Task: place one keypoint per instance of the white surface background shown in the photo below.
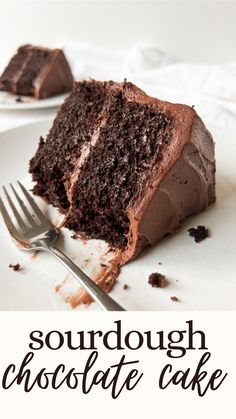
(191, 31)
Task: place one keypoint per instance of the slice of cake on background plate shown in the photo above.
(124, 167)
(37, 72)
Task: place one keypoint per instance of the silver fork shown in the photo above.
(39, 234)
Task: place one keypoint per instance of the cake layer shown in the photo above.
(9, 77)
(58, 157)
(125, 167)
(36, 60)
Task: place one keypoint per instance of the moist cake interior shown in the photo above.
(116, 169)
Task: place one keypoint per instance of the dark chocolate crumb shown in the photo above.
(74, 236)
(156, 280)
(125, 286)
(200, 233)
(14, 267)
(19, 99)
(174, 298)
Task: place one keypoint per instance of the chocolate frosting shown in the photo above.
(55, 77)
(187, 188)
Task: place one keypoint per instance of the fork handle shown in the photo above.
(104, 300)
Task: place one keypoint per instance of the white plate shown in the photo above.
(9, 102)
(202, 276)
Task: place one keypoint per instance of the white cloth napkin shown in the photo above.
(210, 88)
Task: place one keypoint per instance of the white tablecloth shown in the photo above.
(210, 88)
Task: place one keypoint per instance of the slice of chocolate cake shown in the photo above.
(124, 167)
(37, 72)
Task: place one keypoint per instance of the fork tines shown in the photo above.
(24, 217)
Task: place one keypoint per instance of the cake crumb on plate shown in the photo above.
(156, 280)
(200, 233)
(74, 236)
(174, 298)
(15, 267)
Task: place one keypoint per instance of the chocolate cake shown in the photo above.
(37, 72)
(124, 167)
